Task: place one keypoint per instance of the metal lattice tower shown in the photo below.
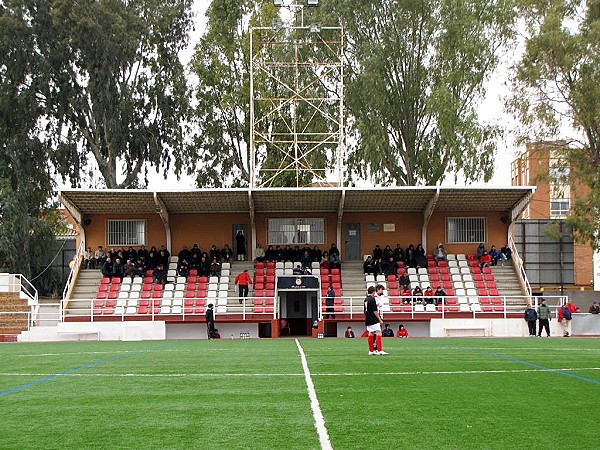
(296, 105)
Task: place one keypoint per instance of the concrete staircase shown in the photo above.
(12, 322)
(85, 289)
(508, 285)
(353, 279)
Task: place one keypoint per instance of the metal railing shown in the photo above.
(76, 266)
(518, 263)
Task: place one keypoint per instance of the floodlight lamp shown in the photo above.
(315, 27)
(313, 3)
(278, 3)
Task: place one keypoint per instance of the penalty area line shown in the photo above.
(314, 403)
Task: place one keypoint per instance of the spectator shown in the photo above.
(594, 309)
(151, 261)
(404, 280)
(163, 258)
(350, 334)
(288, 253)
(406, 294)
(428, 295)
(210, 321)
(377, 252)
(166, 252)
(138, 267)
(118, 269)
(417, 295)
(184, 254)
(316, 253)
(297, 253)
(226, 253)
(544, 318)
(420, 258)
(183, 269)
(216, 334)
(494, 255)
(160, 275)
(389, 266)
(531, 317)
(260, 253)
(195, 261)
(107, 267)
(440, 254)
(243, 281)
(325, 260)
(485, 260)
(240, 246)
(215, 268)
(329, 302)
(505, 254)
(298, 270)
(204, 269)
(387, 253)
(399, 253)
(306, 259)
(334, 261)
(402, 332)
(100, 256)
(410, 256)
(196, 251)
(129, 269)
(480, 251)
(88, 259)
(214, 252)
(387, 331)
(564, 318)
(270, 253)
(440, 296)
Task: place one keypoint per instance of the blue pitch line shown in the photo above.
(73, 370)
(537, 366)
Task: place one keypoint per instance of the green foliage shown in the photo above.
(557, 89)
(417, 73)
(27, 223)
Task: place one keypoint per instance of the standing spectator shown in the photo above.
(564, 318)
(210, 321)
(594, 309)
(387, 331)
(243, 281)
(399, 253)
(329, 302)
(531, 318)
(402, 332)
(373, 321)
(544, 318)
(349, 333)
(240, 242)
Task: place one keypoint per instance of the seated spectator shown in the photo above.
(316, 253)
(349, 333)
(440, 254)
(131, 253)
(138, 267)
(204, 269)
(399, 253)
(100, 256)
(166, 252)
(440, 295)
(195, 261)
(196, 251)
(428, 295)
(406, 294)
(594, 309)
(387, 331)
(505, 254)
(410, 257)
(404, 280)
(485, 260)
(143, 253)
(160, 274)
(369, 266)
(215, 268)
(270, 253)
(226, 253)
(334, 261)
(151, 262)
(214, 252)
(107, 267)
(183, 269)
(417, 295)
(298, 270)
(420, 258)
(402, 332)
(306, 260)
(377, 253)
(118, 270)
(480, 251)
(288, 253)
(163, 258)
(260, 253)
(325, 260)
(89, 262)
(216, 334)
(494, 255)
(387, 253)
(389, 266)
(297, 253)
(334, 251)
(128, 269)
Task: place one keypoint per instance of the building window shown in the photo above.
(466, 230)
(559, 207)
(295, 231)
(125, 232)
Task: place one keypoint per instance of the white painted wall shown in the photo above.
(109, 331)
(198, 330)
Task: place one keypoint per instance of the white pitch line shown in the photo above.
(314, 403)
(272, 375)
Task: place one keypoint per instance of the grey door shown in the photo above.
(352, 241)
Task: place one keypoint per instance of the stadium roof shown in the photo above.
(280, 200)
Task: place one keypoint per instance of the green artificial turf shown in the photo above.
(232, 394)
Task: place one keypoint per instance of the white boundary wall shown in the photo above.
(91, 331)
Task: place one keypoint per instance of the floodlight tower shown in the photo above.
(296, 100)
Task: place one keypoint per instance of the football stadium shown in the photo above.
(321, 283)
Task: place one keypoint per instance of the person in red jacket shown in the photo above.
(243, 280)
(402, 332)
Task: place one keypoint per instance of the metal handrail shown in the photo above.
(518, 262)
(77, 260)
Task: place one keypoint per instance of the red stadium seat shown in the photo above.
(114, 287)
(110, 303)
(103, 288)
(270, 302)
(101, 295)
(193, 273)
(113, 295)
(491, 285)
(335, 271)
(98, 303)
(146, 287)
(143, 310)
(391, 278)
(115, 280)
(158, 287)
(105, 280)
(270, 265)
(190, 294)
(488, 277)
(486, 270)
(475, 270)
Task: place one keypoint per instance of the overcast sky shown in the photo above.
(491, 110)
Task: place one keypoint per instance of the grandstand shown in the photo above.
(355, 219)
